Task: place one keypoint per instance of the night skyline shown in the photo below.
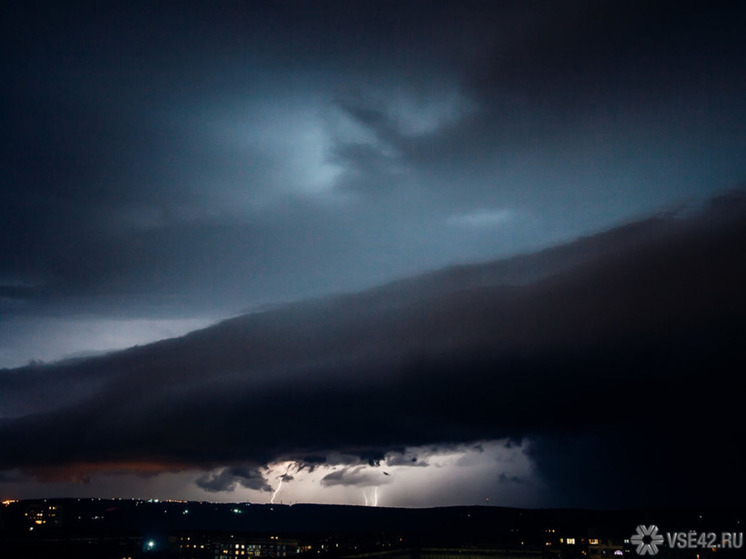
(376, 196)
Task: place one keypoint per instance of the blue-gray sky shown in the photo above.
(167, 165)
(193, 161)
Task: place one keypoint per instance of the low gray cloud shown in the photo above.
(405, 459)
(504, 478)
(358, 476)
(228, 478)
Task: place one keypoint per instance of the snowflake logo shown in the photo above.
(647, 539)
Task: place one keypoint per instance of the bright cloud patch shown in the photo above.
(481, 219)
(25, 339)
(492, 471)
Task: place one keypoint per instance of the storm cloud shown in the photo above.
(200, 161)
(636, 346)
(355, 475)
(368, 233)
(228, 478)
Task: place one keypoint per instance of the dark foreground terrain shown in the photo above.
(109, 529)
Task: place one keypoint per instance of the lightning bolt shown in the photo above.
(282, 478)
(373, 501)
(272, 500)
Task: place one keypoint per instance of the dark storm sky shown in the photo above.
(198, 159)
(168, 164)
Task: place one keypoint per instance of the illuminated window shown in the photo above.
(571, 541)
(593, 541)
